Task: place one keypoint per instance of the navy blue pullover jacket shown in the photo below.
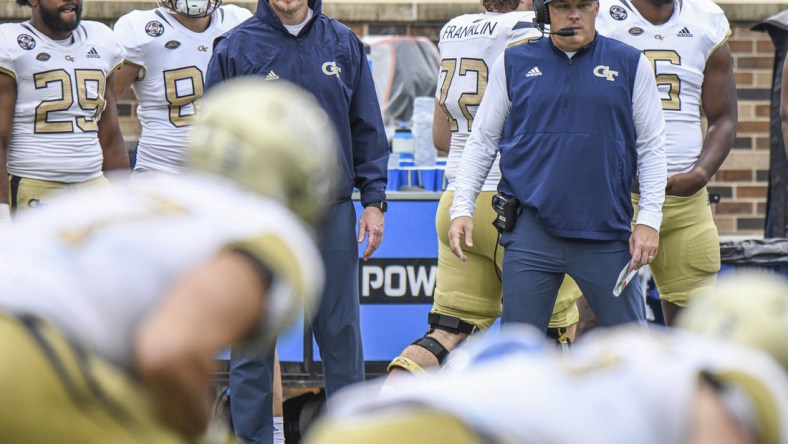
(329, 61)
(568, 143)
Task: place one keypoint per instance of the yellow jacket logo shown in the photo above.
(605, 72)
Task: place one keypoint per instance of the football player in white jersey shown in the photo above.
(58, 122)
(115, 300)
(167, 52)
(625, 385)
(468, 295)
(686, 43)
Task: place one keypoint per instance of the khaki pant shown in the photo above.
(689, 248)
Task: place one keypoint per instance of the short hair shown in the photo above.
(23, 3)
(492, 5)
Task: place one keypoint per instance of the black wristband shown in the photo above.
(382, 205)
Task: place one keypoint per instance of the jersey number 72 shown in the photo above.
(471, 97)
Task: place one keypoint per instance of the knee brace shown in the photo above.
(447, 323)
(450, 324)
(431, 345)
(436, 321)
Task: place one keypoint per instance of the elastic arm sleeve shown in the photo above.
(482, 146)
(650, 145)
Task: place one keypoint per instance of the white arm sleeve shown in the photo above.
(650, 145)
(482, 145)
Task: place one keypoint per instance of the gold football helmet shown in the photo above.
(747, 308)
(271, 137)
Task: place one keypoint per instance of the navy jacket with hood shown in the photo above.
(329, 61)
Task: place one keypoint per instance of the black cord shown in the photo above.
(495, 257)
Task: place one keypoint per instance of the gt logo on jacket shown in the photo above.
(331, 69)
(605, 72)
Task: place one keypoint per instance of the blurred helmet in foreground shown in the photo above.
(748, 308)
(191, 8)
(271, 137)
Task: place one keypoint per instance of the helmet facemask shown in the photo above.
(191, 8)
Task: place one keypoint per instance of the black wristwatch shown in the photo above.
(381, 205)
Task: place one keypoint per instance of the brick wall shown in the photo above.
(742, 182)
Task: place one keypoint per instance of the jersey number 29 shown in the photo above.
(90, 97)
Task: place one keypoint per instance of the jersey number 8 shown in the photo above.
(183, 87)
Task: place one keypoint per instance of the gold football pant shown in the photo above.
(54, 393)
(689, 248)
(27, 193)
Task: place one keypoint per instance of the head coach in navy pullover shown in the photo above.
(577, 119)
(292, 40)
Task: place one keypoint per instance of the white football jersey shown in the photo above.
(173, 61)
(60, 98)
(95, 262)
(677, 50)
(469, 44)
(625, 385)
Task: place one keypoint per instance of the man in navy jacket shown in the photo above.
(292, 40)
(577, 120)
